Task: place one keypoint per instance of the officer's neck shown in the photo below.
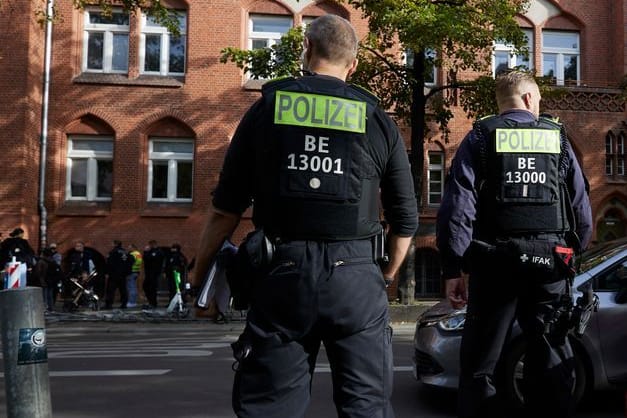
(329, 69)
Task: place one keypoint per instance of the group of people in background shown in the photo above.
(116, 273)
(124, 266)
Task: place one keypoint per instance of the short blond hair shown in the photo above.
(333, 38)
(512, 83)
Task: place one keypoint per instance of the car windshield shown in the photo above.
(600, 253)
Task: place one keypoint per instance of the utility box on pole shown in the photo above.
(25, 354)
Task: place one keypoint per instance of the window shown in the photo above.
(435, 175)
(105, 42)
(89, 168)
(504, 57)
(430, 68)
(560, 56)
(615, 154)
(162, 53)
(612, 279)
(265, 31)
(307, 20)
(170, 170)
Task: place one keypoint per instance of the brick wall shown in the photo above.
(206, 105)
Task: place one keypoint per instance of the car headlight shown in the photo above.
(450, 322)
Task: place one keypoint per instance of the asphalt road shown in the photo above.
(183, 369)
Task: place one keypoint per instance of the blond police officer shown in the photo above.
(515, 208)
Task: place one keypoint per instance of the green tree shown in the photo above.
(279, 60)
(460, 32)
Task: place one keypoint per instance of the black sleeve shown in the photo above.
(397, 185)
(234, 190)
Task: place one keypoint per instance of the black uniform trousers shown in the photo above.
(317, 292)
(498, 294)
(151, 285)
(114, 283)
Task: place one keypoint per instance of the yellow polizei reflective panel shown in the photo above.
(318, 111)
(528, 140)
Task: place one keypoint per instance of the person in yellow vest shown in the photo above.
(131, 279)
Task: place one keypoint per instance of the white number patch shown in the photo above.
(315, 163)
(526, 177)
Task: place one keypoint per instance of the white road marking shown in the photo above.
(99, 373)
(159, 372)
(325, 368)
(125, 353)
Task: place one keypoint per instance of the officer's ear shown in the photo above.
(305, 56)
(526, 98)
(352, 67)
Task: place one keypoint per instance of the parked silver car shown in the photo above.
(600, 357)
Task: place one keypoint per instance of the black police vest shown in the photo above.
(521, 184)
(314, 177)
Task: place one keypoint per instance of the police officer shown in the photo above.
(17, 246)
(154, 259)
(315, 153)
(515, 205)
(118, 266)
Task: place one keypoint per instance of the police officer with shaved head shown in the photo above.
(515, 209)
(319, 159)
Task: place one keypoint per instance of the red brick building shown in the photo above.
(139, 120)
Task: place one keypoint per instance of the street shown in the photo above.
(183, 369)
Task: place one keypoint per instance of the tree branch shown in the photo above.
(386, 61)
(457, 85)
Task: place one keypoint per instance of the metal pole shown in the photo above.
(43, 148)
(26, 380)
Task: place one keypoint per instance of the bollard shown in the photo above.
(26, 379)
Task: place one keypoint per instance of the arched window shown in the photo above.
(89, 164)
(170, 162)
(613, 225)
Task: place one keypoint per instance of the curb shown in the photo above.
(399, 314)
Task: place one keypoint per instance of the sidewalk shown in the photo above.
(399, 314)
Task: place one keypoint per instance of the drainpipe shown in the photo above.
(43, 149)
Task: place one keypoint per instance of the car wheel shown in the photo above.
(511, 375)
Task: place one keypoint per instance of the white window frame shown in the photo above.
(560, 53)
(272, 38)
(514, 59)
(172, 158)
(92, 158)
(620, 154)
(615, 158)
(430, 169)
(108, 30)
(609, 154)
(428, 52)
(164, 62)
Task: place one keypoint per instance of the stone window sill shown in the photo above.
(89, 209)
(167, 210)
(123, 79)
